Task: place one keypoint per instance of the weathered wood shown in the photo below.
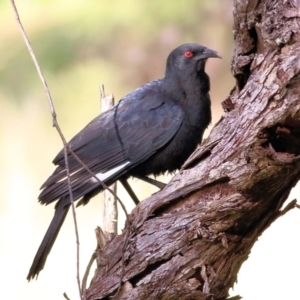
(110, 209)
(189, 240)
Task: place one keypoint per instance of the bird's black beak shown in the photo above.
(211, 53)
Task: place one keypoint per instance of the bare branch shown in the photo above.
(55, 124)
(67, 149)
(110, 209)
(66, 296)
(293, 204)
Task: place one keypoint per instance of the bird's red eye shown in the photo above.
(188, 54)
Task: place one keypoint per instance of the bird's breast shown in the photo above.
(171, 156)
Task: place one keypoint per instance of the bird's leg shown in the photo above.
(129, 190)
(157, 183)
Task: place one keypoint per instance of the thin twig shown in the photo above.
(127, 235)
(104, 186)
(130, 230)
(55, 124)
(66, 296)
(86, 274)
(102, 239)
(31, 52)
(293, 204)
(67, 150)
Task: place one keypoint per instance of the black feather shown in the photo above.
(152, 130)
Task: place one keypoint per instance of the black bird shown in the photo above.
(152, 130)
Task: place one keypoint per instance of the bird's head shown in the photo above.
(189, 58)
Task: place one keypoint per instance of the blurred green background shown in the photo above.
(122, 44)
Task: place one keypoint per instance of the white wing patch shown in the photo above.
(104, 176)
(66, 177)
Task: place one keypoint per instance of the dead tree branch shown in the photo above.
(57, 127)
(190, 240)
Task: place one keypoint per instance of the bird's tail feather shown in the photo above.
(40, 258)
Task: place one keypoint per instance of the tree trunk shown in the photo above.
(189, 240)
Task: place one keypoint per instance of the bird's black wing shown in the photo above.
(116, 141)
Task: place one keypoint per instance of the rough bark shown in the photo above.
(189, 240)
